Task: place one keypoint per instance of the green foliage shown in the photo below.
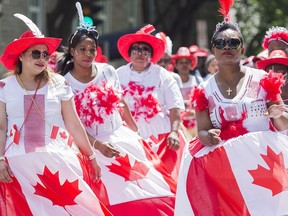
(255, 17)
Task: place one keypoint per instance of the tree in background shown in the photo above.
(256, 16)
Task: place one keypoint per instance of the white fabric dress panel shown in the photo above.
(118, 189)
(44, 168)
(166, 91)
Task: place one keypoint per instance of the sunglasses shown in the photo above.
(233, 43)
(36, 54)
(143, 50)
(164, 60)
(91, 31)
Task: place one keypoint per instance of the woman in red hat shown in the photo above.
(40, 173)
(236, 165)
(185, 62)
(152, 94)
(134, 181)
(276, 41)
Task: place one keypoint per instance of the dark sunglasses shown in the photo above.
(164, 60)
(91, 31)
(36, 54)
(144, 50)
(233, 43)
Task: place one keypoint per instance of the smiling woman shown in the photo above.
(134, 180)
(38, 127)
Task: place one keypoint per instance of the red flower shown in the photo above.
(94, 103)
(272, 83)
(199, 99)
(145, 104)
(232, 129)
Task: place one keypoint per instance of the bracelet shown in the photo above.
(94, 143)
(2, 158)
(91, 157)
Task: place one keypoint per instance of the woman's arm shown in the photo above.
(5, 172)
(278, 115)
(76, 129)
(208, 136)
(127, 117)
(106, 148)
(173, 138)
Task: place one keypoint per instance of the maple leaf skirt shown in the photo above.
(48, 183)
(136, 182)
(247, 175)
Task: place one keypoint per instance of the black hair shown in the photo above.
(141, 42)
(220, 27)
(66, 63)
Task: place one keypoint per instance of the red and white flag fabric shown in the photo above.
(50, 186)
(247, 175)
(170, 158)
(58, 133)
(136, 182)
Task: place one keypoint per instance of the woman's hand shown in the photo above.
(107, 149)
(173, 140)
(94, 170)
(5, 172)
(213, 137)
(276, 110)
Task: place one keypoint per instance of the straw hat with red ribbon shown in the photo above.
(11, 53)
(184, 53)
(143, 35)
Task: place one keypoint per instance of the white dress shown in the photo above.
(123, 189)
(39, 154)
(157, 84)
(246, 173)
(187, 87)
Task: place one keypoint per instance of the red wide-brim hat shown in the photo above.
(143, 35)
(11, 54)
(262, 64)
(276, 57)
(184, 53)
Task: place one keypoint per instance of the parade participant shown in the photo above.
(211, 66)
(184, 63)
(40, 173)
(134, 181)
(201, 55)
(165, 60)
(236, 166)
(276, 38)
(152, 94)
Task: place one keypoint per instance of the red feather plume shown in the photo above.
(225, 8)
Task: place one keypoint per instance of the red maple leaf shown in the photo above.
(61, 195)
(138, 171)
(275, 178)
(63, 135)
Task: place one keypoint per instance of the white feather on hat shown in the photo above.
(167, 41)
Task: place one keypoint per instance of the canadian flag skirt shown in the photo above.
(48, 182)
(247, 175)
